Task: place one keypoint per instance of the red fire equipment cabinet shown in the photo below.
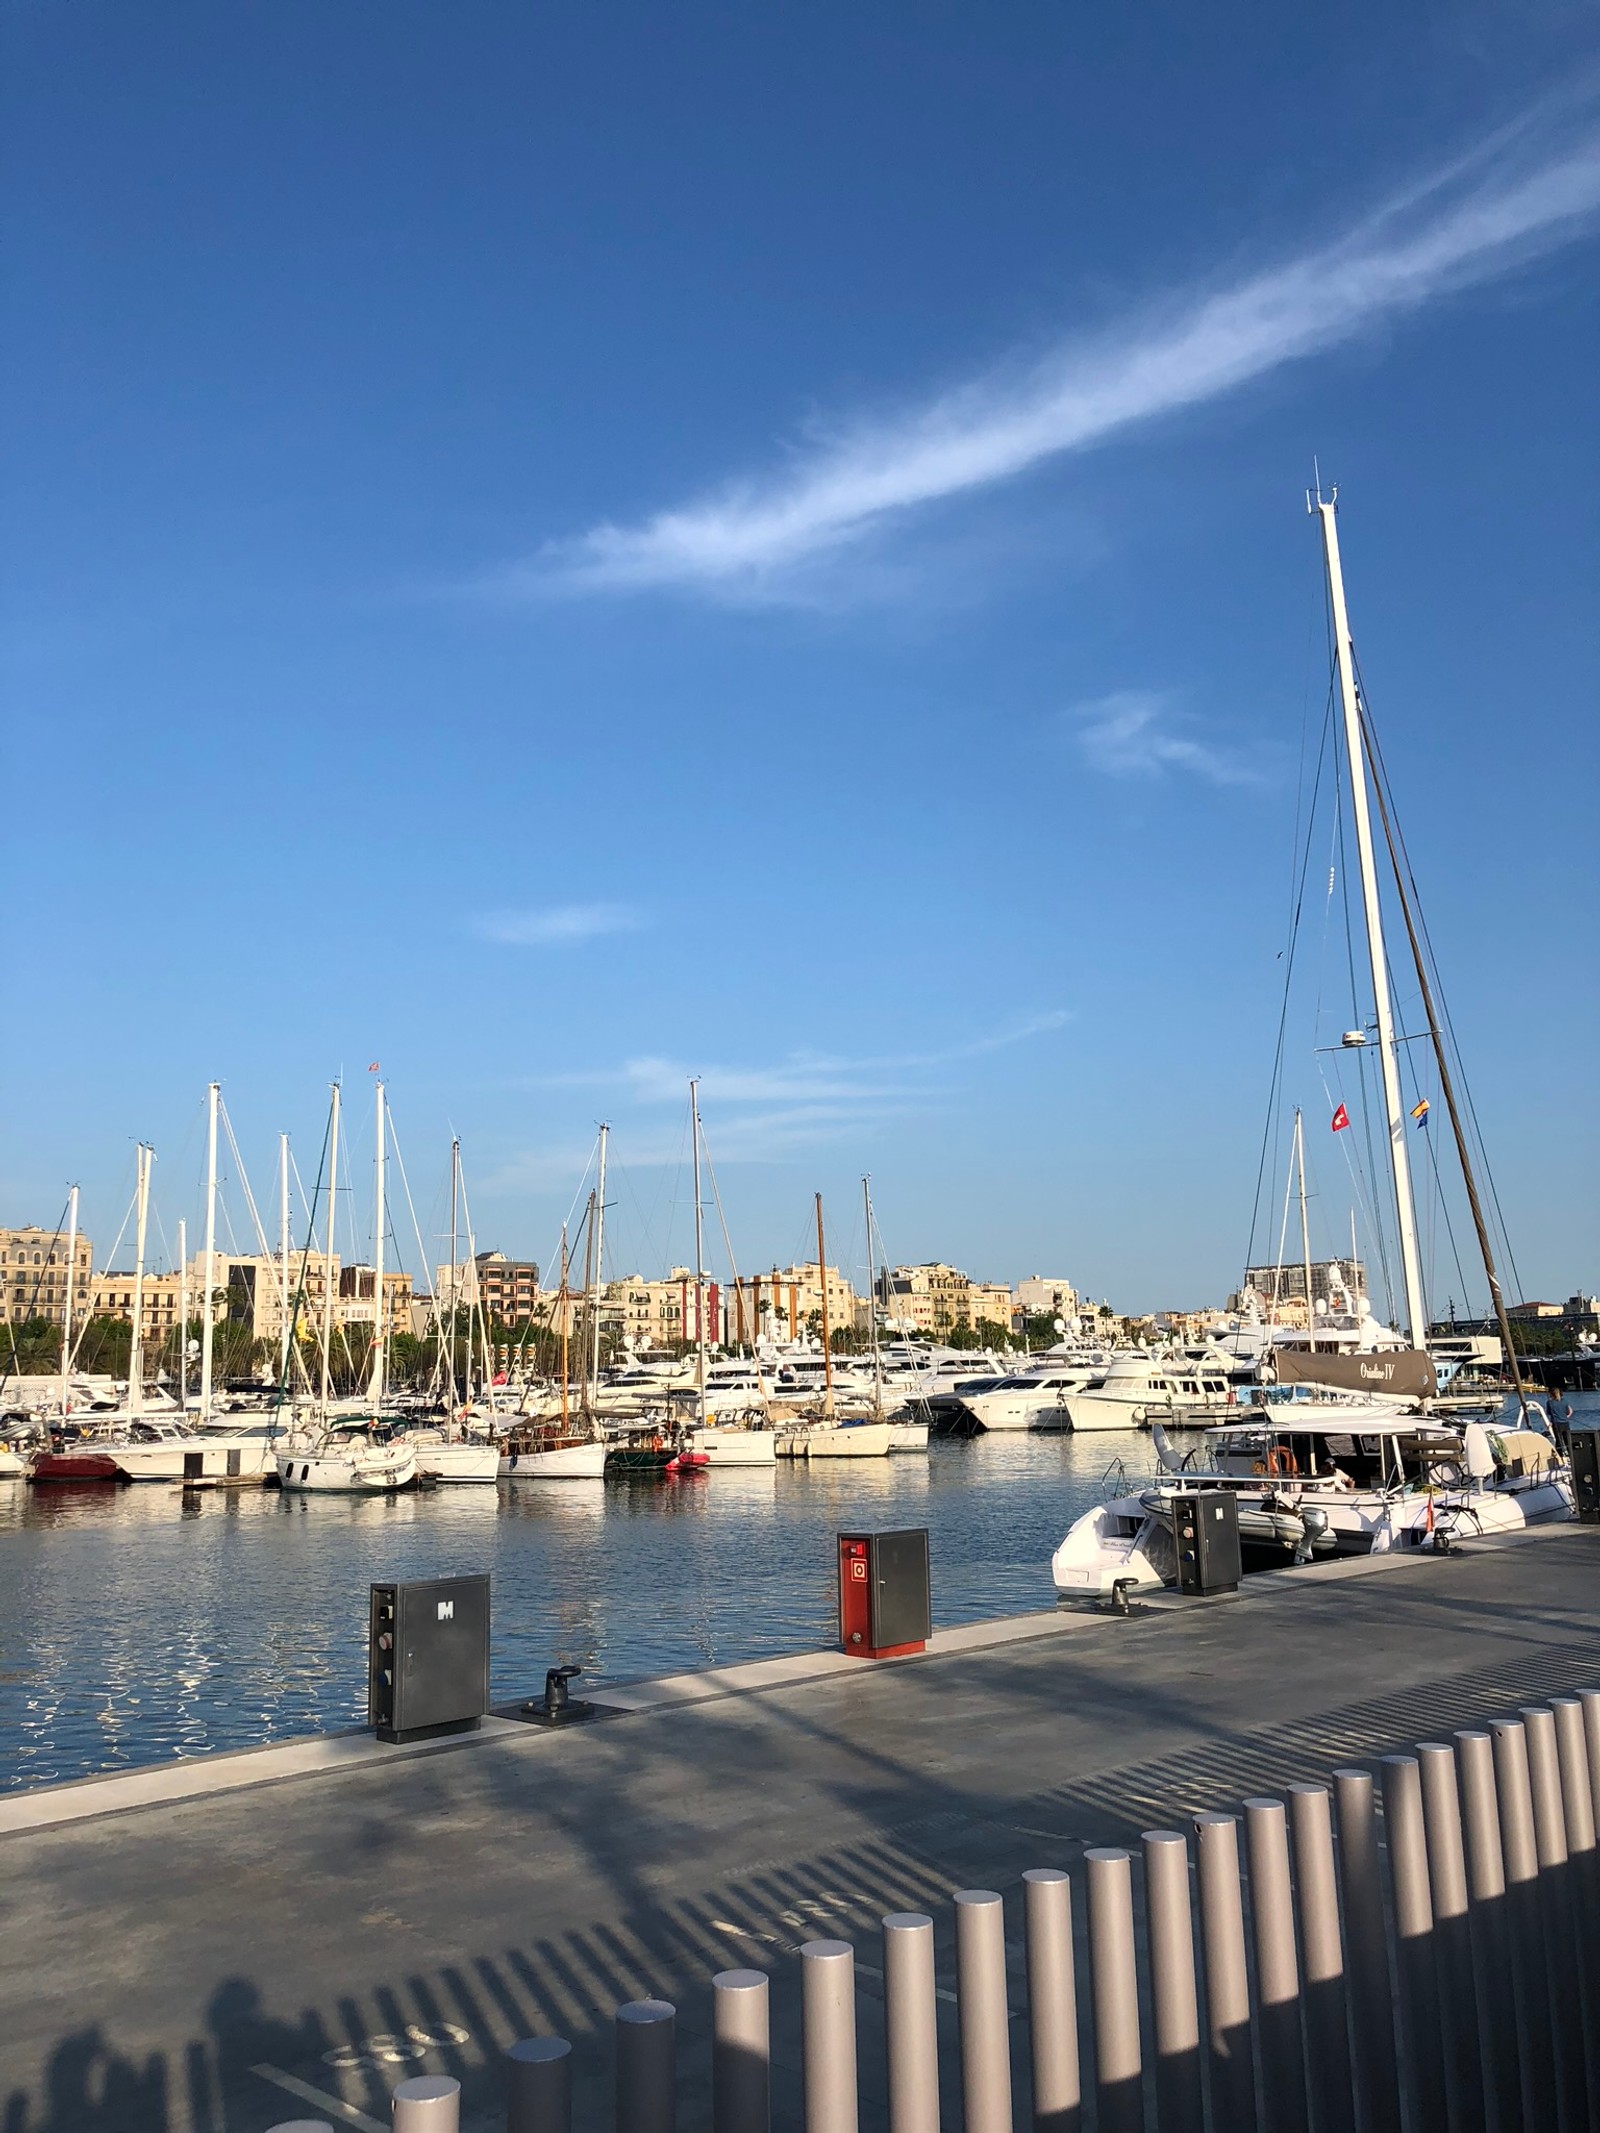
(884, 1604)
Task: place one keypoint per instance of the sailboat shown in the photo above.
(1329, 1457)
(827, 1435)
(341, 1462)
(906, 1433)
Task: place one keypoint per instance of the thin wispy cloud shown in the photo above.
(558, 926)
(1531, 188)
(1140, 733)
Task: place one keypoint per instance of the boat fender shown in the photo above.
(1280, 1460)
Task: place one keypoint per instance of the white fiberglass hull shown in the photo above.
(458, 1462)
(563, 1462)
(13, 1467)
(995, 1411)
(908, 1436)
(1116, 1542)
(371, 1471)
(735, 1447)
(1093, 1411)
(249, 1459)
(860, 1440)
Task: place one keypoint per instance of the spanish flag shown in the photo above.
(1341, 1119)
(1420, 1112)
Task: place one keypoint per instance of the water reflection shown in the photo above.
(137, 1624)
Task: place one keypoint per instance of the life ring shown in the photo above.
(1281, 1461)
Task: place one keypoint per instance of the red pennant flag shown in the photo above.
(1341, 1119)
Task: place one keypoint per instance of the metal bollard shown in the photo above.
(1556, 1912)
(741, 2053)
(1530, 1986)
(1114, 1986)
(1490, 1932)
(539, 2086)
(647, 2067)
(1283, 2071)
(985, 2018)
(1052, 2002)
(1413, 1919)
(1169, 1927)
(1573, 1752)
(1229, 2048)
(1452, 1938)
(1322, 1953)
(909, 2022)
(1590, 1700)
(429, 2103)
(828, 2013)
(1367, 1952)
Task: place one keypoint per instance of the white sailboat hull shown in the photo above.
(735, 1447)
(458, 1462)
(908, 1436)
(860, 1440)
(565, 1462)
(370, 1471)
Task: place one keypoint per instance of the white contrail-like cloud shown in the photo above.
(557, 926)
(1482, 216)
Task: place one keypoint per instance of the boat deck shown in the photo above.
(241, 1940)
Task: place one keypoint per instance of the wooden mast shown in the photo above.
(822, 1290)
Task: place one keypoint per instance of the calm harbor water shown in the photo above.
(137, 1625)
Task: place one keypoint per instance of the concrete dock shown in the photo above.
(220, 1945)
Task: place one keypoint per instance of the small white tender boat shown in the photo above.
(907, 1436)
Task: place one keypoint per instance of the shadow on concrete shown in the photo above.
(550, 1886)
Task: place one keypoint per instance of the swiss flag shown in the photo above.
(1341, 1119)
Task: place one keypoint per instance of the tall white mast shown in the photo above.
(327, 1252)
(599, 1257)
(66, 1316)
(699, 1257)
(287, 1333)
(1305, 1226)
(141, 1229)
(455, 1291)
(872, 1307)
(379, 1315)
(1399, 1159)
(207, 1303)
(183, 1315)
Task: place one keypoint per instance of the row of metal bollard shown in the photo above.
(1456, 1992)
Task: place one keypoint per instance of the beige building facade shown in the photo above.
(33, 1275)
(936, 1299)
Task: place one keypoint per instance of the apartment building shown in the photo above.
(936, 1299)
(33, 1274)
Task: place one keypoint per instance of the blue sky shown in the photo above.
(558, 548)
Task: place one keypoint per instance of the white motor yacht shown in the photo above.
(1138, 1390)
(1311, 1482)
(240, 1448)
(1026, 1399)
